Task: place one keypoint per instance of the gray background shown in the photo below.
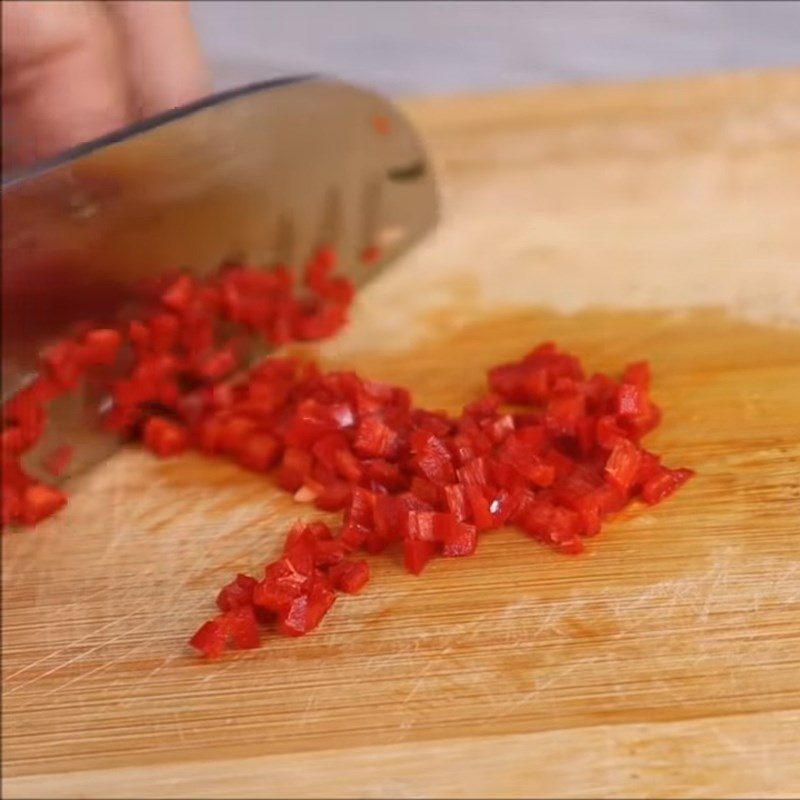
(419, 47)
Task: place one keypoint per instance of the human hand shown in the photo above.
(75, 70)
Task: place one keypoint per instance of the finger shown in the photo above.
(163, 57)
(62, 78)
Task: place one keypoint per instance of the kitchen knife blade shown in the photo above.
(261, 175)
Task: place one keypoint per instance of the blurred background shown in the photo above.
(430, 47)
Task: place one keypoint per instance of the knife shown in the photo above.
(263, 174)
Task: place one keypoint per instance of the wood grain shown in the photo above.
(624, 222)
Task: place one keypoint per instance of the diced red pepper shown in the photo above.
(422, 526)
(347, 465)
(281, 584)
(238, 592)
(425, 490)
(375, 439)
(211, 638)
(164, 330)
(329, 552)
(417, 553)
(473, 473)
(242, 628)
(558, 526)
(361, 508)
(518, 384)
(178, 296)
(500, 427)
(259, 452)
(333, 496)
(306, 611)
(664, 484)
(313, 420)
(623, 464)
(608, 432)
(588, 509)
(479, 507)
(432, 458)
(218, 365)
(557, 467)
(638, 374)
(649, 467)
(300, 551)
(526, 462)
(456, 501)
(639, 425)
(354, 535)
(435, 422)
(295, 468)
(64, 362)
(565, 412)
(101, 345)
(326, 321)
(39, 502)
(165, 438)
(350, 576)
(385, 474)
(631, 401)
(14, 441)
(391, 516)
(561, 464)
(375, 542)
(458, 538)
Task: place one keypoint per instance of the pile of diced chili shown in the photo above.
(549, 449)
(171, 364)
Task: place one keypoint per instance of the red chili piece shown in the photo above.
(164, 438)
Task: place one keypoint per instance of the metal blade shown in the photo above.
(260, 175)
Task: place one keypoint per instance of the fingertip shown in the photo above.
(62, 79)
(165, 63)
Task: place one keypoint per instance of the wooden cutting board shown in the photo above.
(657, 221)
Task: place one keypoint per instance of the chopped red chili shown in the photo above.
(556, 470)
(39, 502)
(558, 462)
(164, 438)
(186, 342)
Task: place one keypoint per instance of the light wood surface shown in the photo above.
(655, 221)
